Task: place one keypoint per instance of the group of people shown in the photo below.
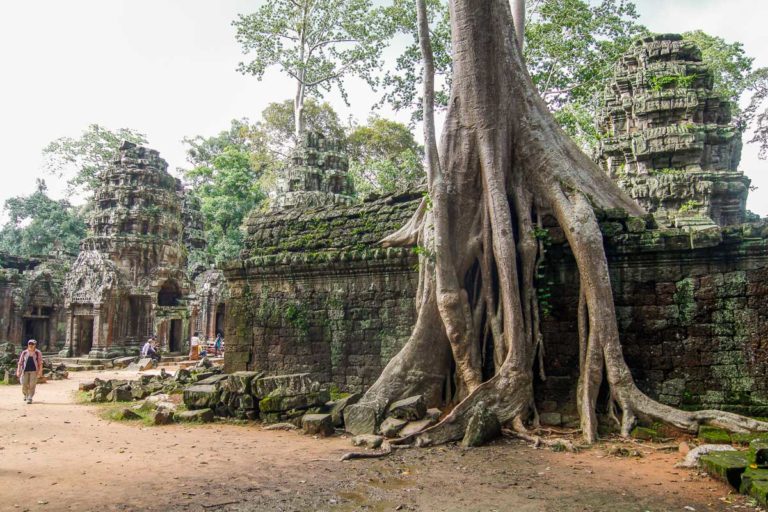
(198, 349)
(150, 349)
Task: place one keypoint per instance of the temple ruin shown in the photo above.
(130, 280)
(667, 138)
(315, 293)
(31, 300)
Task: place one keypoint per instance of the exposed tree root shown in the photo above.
(386, 449)
(503, 162)
(560, 444)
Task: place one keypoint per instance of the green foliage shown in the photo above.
(38, 225)
(228, 189)
(81, 159)
(667, 171)
(278, 124)
(659, 83)
(689, 206)
(296, 315)
(384, 157)
(318, 43)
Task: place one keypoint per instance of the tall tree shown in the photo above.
(502, 162)
(317, 43)
(384, 157)
(81, 159)
(38, 225)
(278, 123)
(227, 176)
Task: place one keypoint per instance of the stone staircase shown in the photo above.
(82, 364)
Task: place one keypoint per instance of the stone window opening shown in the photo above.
(169, 294)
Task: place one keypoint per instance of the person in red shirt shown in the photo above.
(29, 369)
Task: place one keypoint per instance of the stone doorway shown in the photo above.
(220, 320)
(174, 336)
(36, 329)
(84, 336)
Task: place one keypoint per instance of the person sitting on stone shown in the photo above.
(194, 347)
(150, 349)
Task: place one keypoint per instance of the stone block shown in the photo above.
(714, 435)
(360, 419)
(483, 426)
(554, 419)
(120, 394)
(198, 415)
(317, 424)
(86, 386)
(293, 384)
(125, 415)
(754, 483)
(146, 364)
(368, 441)
(122, 362)
(391, 427)
(412, 408)
(758, 451)
(414, 427)
(201, 396)
(336, 408)
(284, 403)
(434, 414)
(213, 380)
(240, 382)
(725, 465)
(161, 416)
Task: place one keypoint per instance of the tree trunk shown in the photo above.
(500, 149)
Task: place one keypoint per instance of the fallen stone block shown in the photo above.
(122, 362)
(198, 415)
(758, 452)
(126, 414)
(483, 426)
(120, 394)
(434, 414)
(10, 378)
(368, 441)
(139, 392)
(161, 416)
(414, 427)
(754, 483)
(317, 424)
(360, 419)
(215, 380)
(293, 384)
(693, 456)
(726, 466)
(201, 396)
(336, 408)
(145, 364)
(714, 435)
(412, 408)
(278, 403)
(86, 386)
(391, 427)
(240, 382)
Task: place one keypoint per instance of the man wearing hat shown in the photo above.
(28, 370)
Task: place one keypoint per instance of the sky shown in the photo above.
(167, 68)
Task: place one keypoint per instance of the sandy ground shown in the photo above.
(59, 455)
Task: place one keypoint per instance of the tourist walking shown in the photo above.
(194, 347)
(29, 369)
(217, 344)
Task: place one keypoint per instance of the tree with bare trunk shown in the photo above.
(503, 163)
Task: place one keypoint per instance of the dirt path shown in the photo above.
(74, 460)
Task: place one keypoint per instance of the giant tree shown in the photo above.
(502, 161)
(318, 43)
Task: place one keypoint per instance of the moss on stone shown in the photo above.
(714, 435)
(727, 466)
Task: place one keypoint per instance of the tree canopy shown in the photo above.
(38, 225)
(81, 159)
(317, 43)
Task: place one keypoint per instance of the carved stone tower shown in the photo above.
(667, 138)
(129, 280)
(318, 175)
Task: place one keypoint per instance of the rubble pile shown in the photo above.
(273, 399)
(117, 390)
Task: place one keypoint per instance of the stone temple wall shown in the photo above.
(692, 305)
(692, 309)
(315, 294)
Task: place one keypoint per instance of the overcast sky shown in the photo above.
(167, 68)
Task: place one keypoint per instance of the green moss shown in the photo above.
(646, 434)
(685, 301)
(727, 466)
(714, 435)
